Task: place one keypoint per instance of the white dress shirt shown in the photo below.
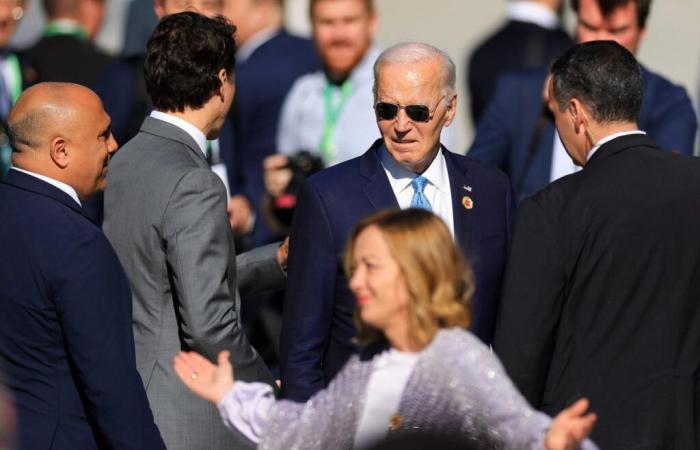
(390, 373)
(563, 165)
(194, 132)
(607, 139)
(528, 11)
(58, 184)
(437, 190)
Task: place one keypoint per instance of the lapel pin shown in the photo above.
(467, 202)
(395, 422)
(467, 188)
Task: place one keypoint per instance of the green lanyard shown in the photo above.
(65, 29)
(14, 87)
(332, 115)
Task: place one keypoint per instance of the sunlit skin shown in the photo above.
(343, 31)
(209, 8)
(74, 142)
(252, 17)
(620, 25)
(95, 146)
(414, 144)
(10, 12)
(380, 288)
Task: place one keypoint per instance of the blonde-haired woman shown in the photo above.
(413, 291)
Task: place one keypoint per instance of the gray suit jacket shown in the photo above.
(165, 215)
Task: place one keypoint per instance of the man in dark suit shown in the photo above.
(601, 292)
(66, 52)
(66, 343)
(532, 37)
(517, 133)
(415, 98)
(165, 214)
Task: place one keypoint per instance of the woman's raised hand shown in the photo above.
(570, 427)
(205, 379)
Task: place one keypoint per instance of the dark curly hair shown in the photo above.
(184, 57)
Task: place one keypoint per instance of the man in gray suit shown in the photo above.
(165, 214)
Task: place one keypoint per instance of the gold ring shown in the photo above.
(193, 375)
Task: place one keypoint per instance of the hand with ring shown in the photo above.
(207, 380)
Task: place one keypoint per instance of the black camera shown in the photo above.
(303, 164)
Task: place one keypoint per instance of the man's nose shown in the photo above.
(402, 123)
(113, 146)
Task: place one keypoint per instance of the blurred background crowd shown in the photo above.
(671, 45)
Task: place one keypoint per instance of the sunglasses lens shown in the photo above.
(418, 113)
(386, 111)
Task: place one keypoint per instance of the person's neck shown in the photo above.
(421, 166)
(597, 132)
(200, 118)
(400, 338)
(337, 78)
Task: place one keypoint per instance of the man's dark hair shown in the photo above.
(608, 6)
(184, 57)
(604, 76)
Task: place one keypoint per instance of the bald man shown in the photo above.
(66, 343)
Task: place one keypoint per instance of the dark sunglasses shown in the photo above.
(417, 113)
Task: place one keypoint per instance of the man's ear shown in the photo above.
(159, 8)
(577, 115)
(59, 152)
(451, 110)
(223, 79)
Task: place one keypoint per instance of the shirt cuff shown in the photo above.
(245, 408)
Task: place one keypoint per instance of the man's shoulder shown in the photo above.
(658, 87)
(341, 175)
(533, 76)
(485, 172)
(309, 83)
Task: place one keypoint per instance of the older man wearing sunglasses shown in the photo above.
(414, 90)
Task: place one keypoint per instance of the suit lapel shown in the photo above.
(460, 188)
(377, 190)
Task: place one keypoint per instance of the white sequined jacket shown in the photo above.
(458, 387)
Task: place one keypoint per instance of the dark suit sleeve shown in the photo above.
(308, 303)
(671, 121)
(491, 144)
(94, 307)
(531, 303)
(199, 249)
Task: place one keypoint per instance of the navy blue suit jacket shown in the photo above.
(262, 83)
(317, 328)
(505, 132)
(66, 342)
(516, 45)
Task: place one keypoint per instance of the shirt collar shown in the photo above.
(610, 138)
(185, 126)
(401, 178)
(527, 11)
(254, 42)
(58, 184)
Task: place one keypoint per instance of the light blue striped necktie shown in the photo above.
(419, 199)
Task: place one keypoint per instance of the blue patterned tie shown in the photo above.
(419, 199)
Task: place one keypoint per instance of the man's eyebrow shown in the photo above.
(106, 132)
(586, 24)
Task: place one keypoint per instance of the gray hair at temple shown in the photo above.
(412, 52)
